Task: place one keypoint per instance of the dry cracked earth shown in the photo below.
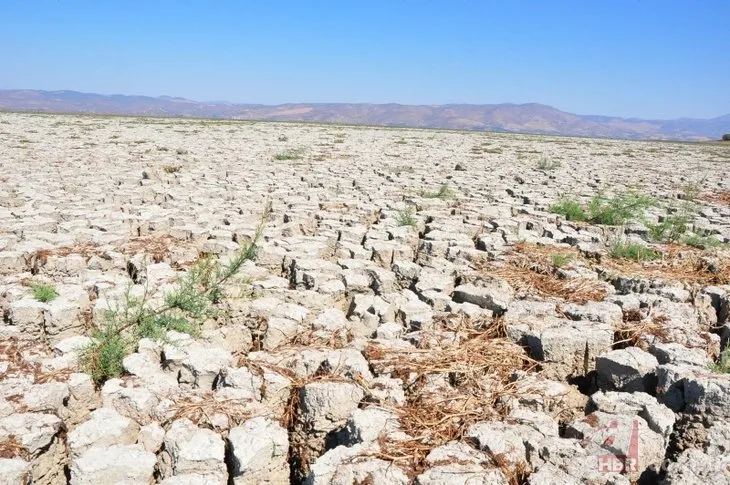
(413, 313)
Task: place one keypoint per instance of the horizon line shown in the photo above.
(432, 105)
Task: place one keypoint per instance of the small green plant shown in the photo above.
(634, 252)
(700, 241)
(619, 209)
(183, 309)
(444, 192)
(44, 293)
(722, 365)
(406, 217)
(692, 190)
(678, 221)
(283, 138)
(561, 260)
(568, 208)
(547, 164)
(171, 168)
(671, 229)
(290, 154)
(104, 358)
(401, 141)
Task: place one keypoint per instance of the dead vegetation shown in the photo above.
(679, 263)
(204, 409)
(472, 375)
(718, 198)
(10, 448)
(530, 270)
(86, 250)
(18, 354)
(638, 328)
(157, 246)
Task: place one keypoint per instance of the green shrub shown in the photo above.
(290, 154)
(44, 293)
(634, 252)
(671, 229)
(700, 241)
(726, 137)
(692, 190)
(679, 219)
(570, 209)
(619, 209)
(547, 164)
(183, 309)
(103, 358)
(406, 217)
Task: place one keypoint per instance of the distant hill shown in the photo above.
(524, 118)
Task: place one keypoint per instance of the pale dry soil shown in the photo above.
(414, 314)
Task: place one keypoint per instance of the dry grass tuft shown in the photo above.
(86, 250)
(13, 350)
(718, 198)
(479, 369)
(636, 326)
(529, 270)
(10, 448)
(680, 263)
(201, 409)
(158, 246)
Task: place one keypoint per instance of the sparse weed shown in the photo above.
(444, 192)
(568, 208)
(700, 241)
(692, 190)
(290, 154)
(547, 164)
(283, 138)
(619, 209)
(44, 293)
(722, 365)
(103, 359)
(183, 309)
(678, 221)
(671, 229)
(406, 217)
(634, 252)
(561, 260)
(171, 168)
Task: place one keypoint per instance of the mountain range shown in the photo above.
(522, 118)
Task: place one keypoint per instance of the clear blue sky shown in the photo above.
(644, 58)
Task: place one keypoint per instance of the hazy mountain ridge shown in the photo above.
(526, 118)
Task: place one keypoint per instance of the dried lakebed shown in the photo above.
(217, 302)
